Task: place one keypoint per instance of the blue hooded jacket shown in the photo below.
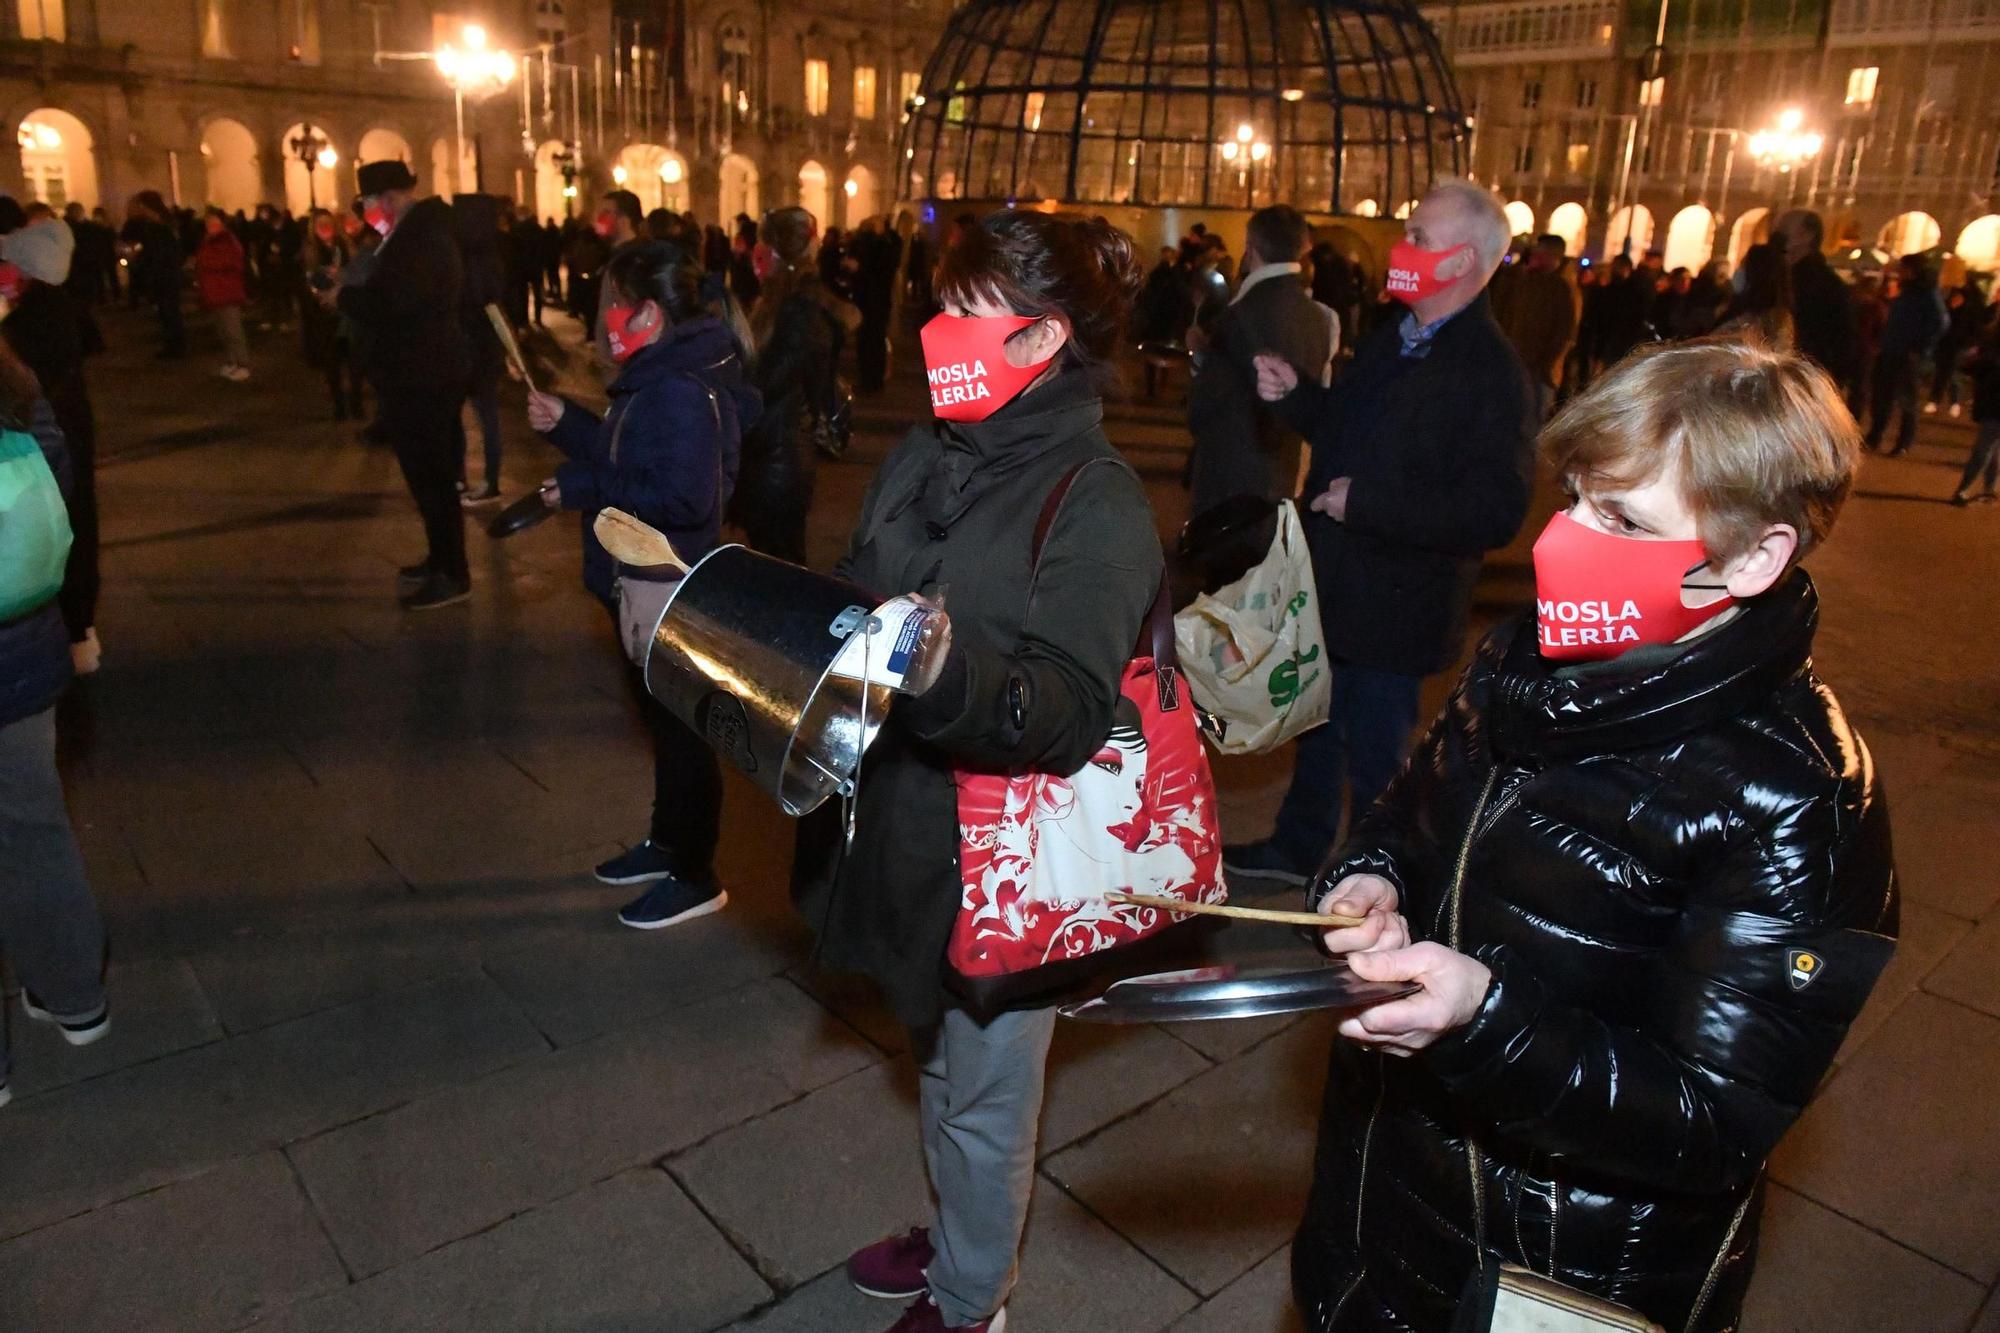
(675, 424)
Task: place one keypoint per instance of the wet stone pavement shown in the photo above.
(383, 1059)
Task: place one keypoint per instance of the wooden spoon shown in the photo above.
(1316, 920)
(632, 542)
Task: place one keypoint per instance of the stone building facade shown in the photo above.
(1904, 96)
(723, 106)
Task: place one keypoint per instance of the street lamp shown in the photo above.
(312, 150)
(1244, 152)
(476, 71)
(1789, 146)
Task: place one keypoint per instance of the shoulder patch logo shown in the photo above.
(1803, 965)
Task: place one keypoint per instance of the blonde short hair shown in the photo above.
(1754, 437)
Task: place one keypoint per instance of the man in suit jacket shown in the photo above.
(408, 307)
(1240, 445)
(1421, 463)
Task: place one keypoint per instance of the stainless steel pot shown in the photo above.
(740, 648)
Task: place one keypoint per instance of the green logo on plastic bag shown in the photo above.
(1285, 685)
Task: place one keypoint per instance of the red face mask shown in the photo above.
(1597, 594)
(12, 280)
(965, 360)
(1413, 272)
(213, 226)
(626, 332)
(379, 217)
(763, 262)
(604, 224)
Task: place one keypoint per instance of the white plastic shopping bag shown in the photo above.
(1253, 652)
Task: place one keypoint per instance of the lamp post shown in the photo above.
(312, 150)
(566, 164)
(1245, 152)
(1786, 147)
(472, 70)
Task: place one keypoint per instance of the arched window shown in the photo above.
(1520, 218)
(1569, 221)
(56, 158)
(1690, 238)
(229, 152)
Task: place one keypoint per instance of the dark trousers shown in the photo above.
(1355, 754)
(871, 350)
(343, 380)
(687, 787)
(1985, 458)
(1894, 391)
(486, 407)
(173, 330)
(429, 443)
(78, 599)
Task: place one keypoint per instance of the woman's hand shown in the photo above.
(552, 494)
(1276, 376)
(1454, 986)
(934, 641)
(544, 410)
(1375, 901)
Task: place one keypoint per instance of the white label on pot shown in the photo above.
(885, 649)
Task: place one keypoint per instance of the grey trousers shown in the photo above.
(981, 1093)
(49, 924)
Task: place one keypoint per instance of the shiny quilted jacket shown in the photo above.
(1677, 865)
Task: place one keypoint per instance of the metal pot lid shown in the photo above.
(1229, 991)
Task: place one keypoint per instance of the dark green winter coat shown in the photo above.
(1033, 675)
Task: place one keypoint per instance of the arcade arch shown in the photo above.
(229, 154)
(813, 193)
(57, 158)
(861, 195)
(1690, 238)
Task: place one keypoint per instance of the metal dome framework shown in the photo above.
(1323, 104)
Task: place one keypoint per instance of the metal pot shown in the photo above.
(740, 649)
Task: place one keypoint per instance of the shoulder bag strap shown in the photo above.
(1156, 633)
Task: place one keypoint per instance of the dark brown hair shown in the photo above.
(790, 233)
(1080, 269)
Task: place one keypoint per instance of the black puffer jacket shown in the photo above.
(1678, 869)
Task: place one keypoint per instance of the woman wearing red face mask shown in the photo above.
(1033, 304)
(219, 281)
(666, 452)
(1641, 870)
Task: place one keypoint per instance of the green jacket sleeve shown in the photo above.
(1045, 703)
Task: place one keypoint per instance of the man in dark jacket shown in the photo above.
(1420, 465)
(1240, 446)
(48, 919)
(879, 255)
(1537, 306)
(1640, 870)
(1619, 319)
(409, 309)
(156, 267)
(1910, 334)
(1822, 310)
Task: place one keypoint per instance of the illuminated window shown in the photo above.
(1031, 111)
(864, 92)
(817, 84)
(1861, 85)
(913, 84)
(43, 21)
(215, 30)
(1577, 159)
(305, 31)
(1653, 91)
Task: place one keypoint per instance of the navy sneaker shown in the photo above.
(641, 864)
(76, 1031)
(672, 901)
(1265, 860)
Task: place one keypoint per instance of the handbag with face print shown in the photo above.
(1040, 852)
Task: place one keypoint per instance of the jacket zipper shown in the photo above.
(1361, 1195)
(1473, 829)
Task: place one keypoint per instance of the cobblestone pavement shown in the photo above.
(384, 1060)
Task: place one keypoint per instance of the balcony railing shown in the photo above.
(1862, 20)
(1484, 33)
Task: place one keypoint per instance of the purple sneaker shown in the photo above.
(893, 1268)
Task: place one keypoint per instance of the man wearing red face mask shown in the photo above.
(1639, 868)
(407, 307)
(1420, 465)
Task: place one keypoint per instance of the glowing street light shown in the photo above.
(619, 175)
(671, 172)
(312, 149)
(328, 159)
(1789, 145)
(473, 69)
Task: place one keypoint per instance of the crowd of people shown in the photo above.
(1636, 876)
